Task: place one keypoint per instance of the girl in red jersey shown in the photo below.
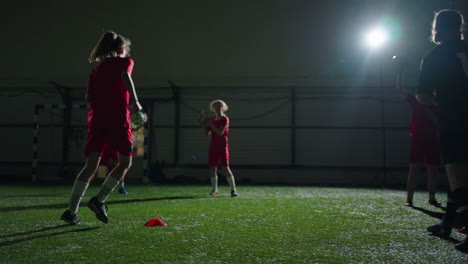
(424, 148)
(110, 95)
(218, 128)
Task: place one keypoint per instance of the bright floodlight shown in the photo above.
(376, 38)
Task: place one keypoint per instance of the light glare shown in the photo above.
(376, 38)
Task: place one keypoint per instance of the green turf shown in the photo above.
(262, 225)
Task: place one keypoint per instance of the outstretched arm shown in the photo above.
(127, 79)
(399, 84)
(424, 99)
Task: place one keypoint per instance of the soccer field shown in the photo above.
(265, 224)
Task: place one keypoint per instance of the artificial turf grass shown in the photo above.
(263, 225)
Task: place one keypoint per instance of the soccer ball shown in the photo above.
(203, 117)
(138, 119)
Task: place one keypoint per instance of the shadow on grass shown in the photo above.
(151, 199)
(429, 212)
(438, 216)
(35, 231)
(63, 206)
(439, 206)
(28, 196)
(449, 239)
(12, 242)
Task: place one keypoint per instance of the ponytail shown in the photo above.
(109, 45)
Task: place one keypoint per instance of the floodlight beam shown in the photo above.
(376, 38)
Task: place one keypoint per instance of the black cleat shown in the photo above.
(434, 202)
(463, 246)
(70, 218)
(100, 209)
(439, 230)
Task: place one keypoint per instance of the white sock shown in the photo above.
(232, 183)
(107, 187)
(214, 183)
(78, 191)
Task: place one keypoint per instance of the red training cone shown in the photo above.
(155, 222)
(463, 230)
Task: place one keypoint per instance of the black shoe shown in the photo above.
(100, 209)
(434, 202)
(439, 230)
(462, 246)
(70, 218)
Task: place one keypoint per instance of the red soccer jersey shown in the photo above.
(219, 143)
(421, 124)
(107, 94)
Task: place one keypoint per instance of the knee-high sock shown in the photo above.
(78, 191)
(232, 183)
(107, 187)
(455, 199)
(214, 183)
(461, 198)
(450, 213)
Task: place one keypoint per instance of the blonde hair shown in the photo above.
(109, 45)
(448, 24)
(224, 106)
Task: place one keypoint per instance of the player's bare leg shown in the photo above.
(98, 203)
(432, 184)
(457, 175)
(115, 176)
(413, 176)
(230, 179)
(91, 165)
(214, 181)
(79, 188)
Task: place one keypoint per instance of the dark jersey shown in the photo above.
(444, 73)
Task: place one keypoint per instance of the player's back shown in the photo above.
(448, 75)
(106, 88)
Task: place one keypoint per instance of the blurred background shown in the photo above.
(311, 100)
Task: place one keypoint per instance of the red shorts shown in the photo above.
(110, 156)
(216, 158)
(119, 138)
(425, 150)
